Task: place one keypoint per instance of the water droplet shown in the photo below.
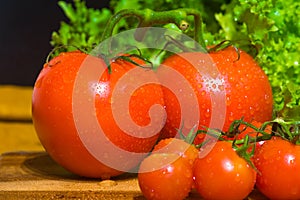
(239, 106)
(251, 110)
(249, 76)
(221, 87)
(107, 183)
(208, 160)
(39, 82)
(207, 115)
(237, 177)
(67, 78)
(188, 174)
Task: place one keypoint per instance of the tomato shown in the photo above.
(177, 146)
(165, 176)
(244, 84)
(57, 124)
(278, 163)
(223, 174)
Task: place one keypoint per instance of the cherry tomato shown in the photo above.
(165, 176)
(223, 174)
(53, 113)
(178, 146)
(278, 164)
(247, 90)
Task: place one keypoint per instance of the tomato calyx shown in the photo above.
(259, 133)
(190, 137)
(244, 137)
(53, 52)
(129, 57)
(287, 130)
(247, 45)
(243, 150)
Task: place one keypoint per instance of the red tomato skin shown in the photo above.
(54, 122)
(177, 146)
(248, 91)
(222, 174)
(167, 176)
(278, 163)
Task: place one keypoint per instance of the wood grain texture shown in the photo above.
(34, 175)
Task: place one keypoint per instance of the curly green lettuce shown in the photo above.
(84, 28)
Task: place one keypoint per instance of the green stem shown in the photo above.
(238, 122)
(148, 18)
(198, 32)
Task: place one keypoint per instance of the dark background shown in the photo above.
(26, 28)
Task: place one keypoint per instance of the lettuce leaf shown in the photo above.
(84, 28)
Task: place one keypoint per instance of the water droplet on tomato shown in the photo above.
(237, 178)
(207, 114)
(188, 174)
(208, 160)
(246, 87)
(67, 78)
(38, 83)
(266, 157)
(231, 118)
(239, 106)
(228, 100)
(251, 110)
(221, 87)
(211, 174)
(249, 76)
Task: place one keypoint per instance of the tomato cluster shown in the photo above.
(64, 116)
(220, 171)
(174, 167)
(222, 174)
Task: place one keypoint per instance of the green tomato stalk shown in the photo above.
(149, 18)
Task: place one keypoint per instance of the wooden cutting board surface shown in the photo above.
(34, 175)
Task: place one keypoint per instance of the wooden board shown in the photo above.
(34, 175)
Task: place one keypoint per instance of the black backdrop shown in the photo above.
(25, 33)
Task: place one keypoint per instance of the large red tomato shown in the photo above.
(53, 114)
(234, 74)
